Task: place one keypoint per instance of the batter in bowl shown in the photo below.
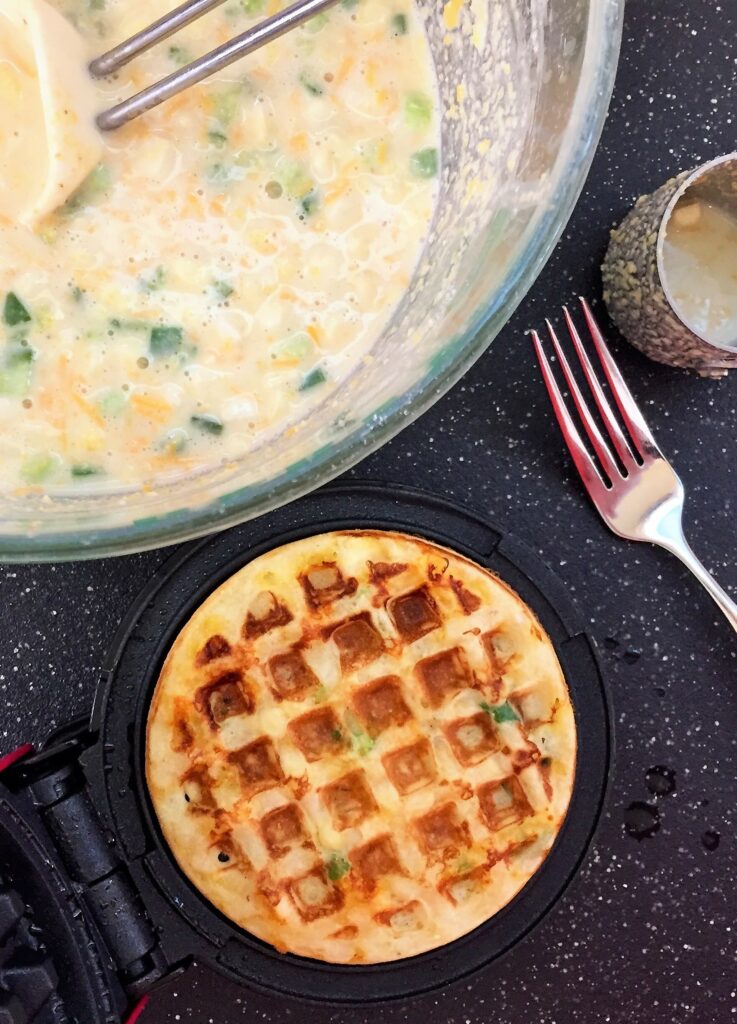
(233, 256)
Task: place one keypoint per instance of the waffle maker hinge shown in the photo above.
(57, 784)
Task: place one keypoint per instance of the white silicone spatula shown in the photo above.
(48, 139)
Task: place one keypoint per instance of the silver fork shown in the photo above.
(635, 489)
(198, 70)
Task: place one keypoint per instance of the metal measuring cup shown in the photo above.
(635, 279)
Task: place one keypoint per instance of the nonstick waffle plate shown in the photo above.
(188, 926)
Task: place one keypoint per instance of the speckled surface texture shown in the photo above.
(648, 931)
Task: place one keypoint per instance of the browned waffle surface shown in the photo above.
(361, 746)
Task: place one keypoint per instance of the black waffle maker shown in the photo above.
(94, 912)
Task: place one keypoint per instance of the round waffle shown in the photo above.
(361, 746)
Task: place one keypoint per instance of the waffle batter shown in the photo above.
(234, 254)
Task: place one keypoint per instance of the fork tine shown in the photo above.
(594, 434)
(124, 52)
(610, 421)
(633, 418)
(221, 57)
(584, 463)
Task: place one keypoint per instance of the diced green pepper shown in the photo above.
(207, 422)
(153, 280)
(501, 712)
(248, 158)
(252, 7)
(120, 324)
(311, 85)
(424, 163)
(399, 25)
(293, 177)
(309, 203)
(16, 369)
(362, 743)
(317, 23)
(298, 346)
(176, 440)
(225, 104)
(337, 867)
(218, 174)
(222, 289)
(112, 403)
(349, 4)
(178, 55)
(19, 352)
(15, 379)
(505, 713)
(374, 153)
(222, 174)
(313, 379)
(165, 341)
(14, 311)
(96, 186)
(83, 470)
(39, 467)
(417, 110)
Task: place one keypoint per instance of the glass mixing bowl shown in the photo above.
(524, 86)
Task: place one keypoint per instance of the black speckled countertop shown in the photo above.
(648, 930)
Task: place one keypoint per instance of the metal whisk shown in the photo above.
(203, 67)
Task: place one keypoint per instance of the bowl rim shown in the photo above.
(591, 103)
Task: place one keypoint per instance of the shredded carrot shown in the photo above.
(337, 191)
(314, 333)
(344, 70)
(386, 99)
(298, 142)
(184, 99)
(152, 407)
(94, 414)
(192, 207)
(169, 457)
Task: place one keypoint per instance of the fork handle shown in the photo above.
(680, 547)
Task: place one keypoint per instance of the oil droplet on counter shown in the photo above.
(629, 655)
(660, 780)
(641, 820)
(710, 839)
